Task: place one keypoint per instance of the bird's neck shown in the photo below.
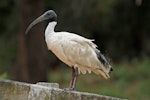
(50, 28)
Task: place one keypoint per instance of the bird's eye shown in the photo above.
(48, 14)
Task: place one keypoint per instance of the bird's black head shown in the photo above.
(50, 14)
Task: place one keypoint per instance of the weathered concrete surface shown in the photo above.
(12, 90)
(54, 85)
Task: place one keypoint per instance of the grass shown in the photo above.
(128, 80)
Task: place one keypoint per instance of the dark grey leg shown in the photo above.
(74, 78)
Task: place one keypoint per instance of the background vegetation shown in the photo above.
(120, 28)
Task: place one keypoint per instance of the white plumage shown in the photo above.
(80, 53)
(74, 50)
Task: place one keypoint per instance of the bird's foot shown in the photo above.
(68, 89)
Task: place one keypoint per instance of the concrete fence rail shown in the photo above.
(13, 90)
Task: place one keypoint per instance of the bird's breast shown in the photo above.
(54, 44)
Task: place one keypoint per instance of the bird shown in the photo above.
(78, 52)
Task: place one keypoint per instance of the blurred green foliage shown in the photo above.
(4, 75)
(8, 36)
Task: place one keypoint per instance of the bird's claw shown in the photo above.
(68, 89)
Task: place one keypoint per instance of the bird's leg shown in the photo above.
(74, 78)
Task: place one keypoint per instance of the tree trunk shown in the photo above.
(32, 59)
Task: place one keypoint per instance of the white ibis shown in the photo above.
(80, 53)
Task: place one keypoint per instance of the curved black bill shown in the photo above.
(39, 19)
(50, 14)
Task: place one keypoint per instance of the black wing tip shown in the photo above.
(105, 61)
(111, 69)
